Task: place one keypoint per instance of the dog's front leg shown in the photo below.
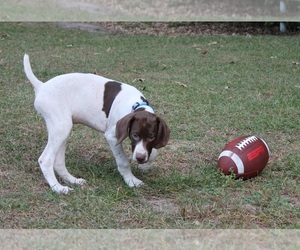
(121, 160)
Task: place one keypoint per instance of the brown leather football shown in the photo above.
(245, 156)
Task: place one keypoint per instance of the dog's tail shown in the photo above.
(29, 74)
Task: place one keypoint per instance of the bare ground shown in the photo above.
(185, 28)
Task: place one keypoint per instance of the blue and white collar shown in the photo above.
(144, 104)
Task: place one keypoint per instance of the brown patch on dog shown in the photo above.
(110, 92)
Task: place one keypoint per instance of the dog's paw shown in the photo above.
(79, 181)
(59, 189)
(134, 182)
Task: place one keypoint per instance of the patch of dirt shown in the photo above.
(202, 28)
(164, 205)
(184, 28)
(98, 28)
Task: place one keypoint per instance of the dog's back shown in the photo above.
(83, 97)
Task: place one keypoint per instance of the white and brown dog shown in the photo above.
(116, 109)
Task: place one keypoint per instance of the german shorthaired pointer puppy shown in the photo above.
(116, 109)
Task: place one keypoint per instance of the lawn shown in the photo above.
(210, 89)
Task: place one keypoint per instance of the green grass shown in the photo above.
(243, 85)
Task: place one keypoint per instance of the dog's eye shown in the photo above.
(135, 136)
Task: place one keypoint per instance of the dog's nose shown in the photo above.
(141, 158)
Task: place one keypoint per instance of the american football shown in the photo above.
(245, 156)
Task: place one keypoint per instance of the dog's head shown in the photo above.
(146, 131)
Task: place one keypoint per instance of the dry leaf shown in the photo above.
(212, 43)
(183, 213)
(181, 84)
(138, 80)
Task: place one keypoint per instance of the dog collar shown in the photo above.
(138, 105)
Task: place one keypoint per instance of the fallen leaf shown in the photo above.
(212, 43)
(183, 213)
(138, 80)
(181, 84)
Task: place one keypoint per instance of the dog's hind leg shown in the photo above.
(58, 132)
(61, 170)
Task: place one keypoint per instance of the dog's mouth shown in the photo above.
(139, 161)
(140, 156)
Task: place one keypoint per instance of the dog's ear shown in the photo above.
(123, 127)
(163, 134)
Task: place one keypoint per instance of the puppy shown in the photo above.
(116, 109)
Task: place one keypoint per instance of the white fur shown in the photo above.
(146, 166)
(140, 150)
(78, 98)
